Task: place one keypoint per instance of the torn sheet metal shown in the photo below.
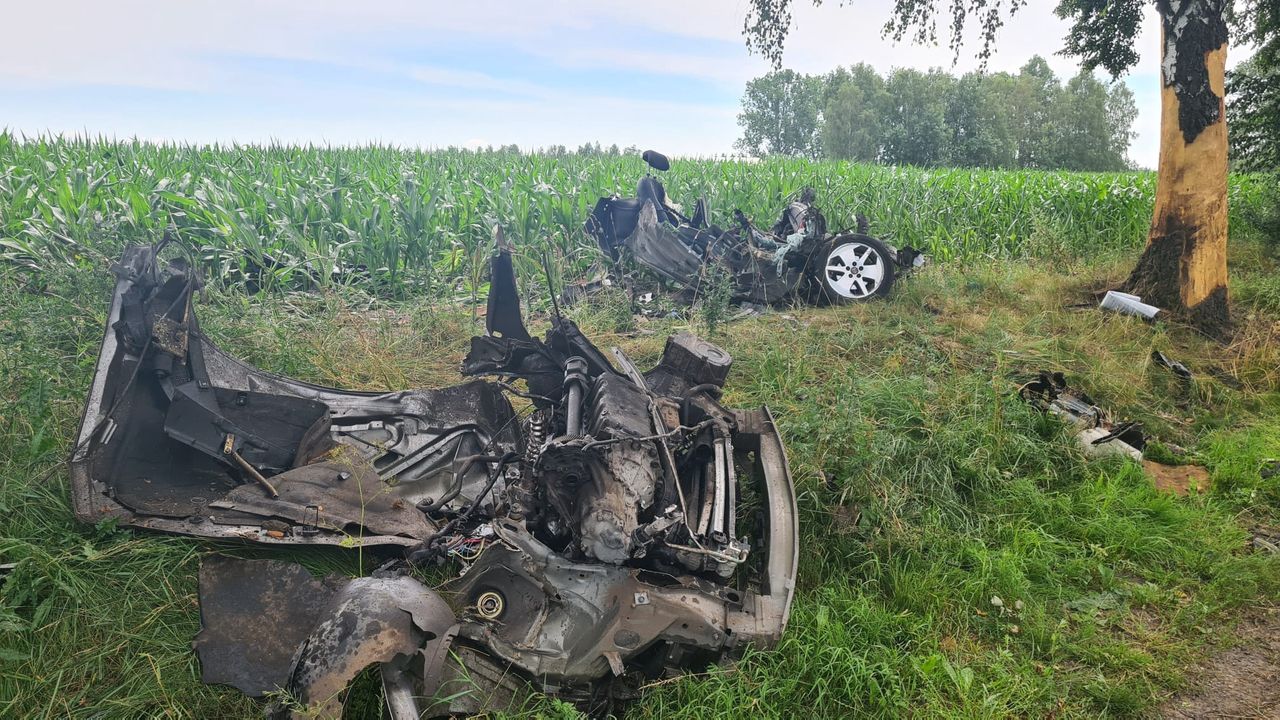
(254, 614)
(794, 258)
(370, 621)
(1098, 433)
(1173, 366)
(270, 627)
(175, 440)
(623, 527)
(1128, 304)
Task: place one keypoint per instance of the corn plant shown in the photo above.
(409, 222)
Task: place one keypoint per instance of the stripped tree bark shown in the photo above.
(1184, 267)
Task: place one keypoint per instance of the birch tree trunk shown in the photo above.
(1184, 267)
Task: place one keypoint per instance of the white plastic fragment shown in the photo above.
(1114, 446)
(1127, 304)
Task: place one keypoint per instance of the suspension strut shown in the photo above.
(575, 386)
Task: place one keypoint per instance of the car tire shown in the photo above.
(849, 269)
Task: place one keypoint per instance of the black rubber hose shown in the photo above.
(714, 391)
(493, 480)
(459, 476)
(425, 551)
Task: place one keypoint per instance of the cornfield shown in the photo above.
(419, 222)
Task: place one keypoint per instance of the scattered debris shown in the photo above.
(1173, 366)
(746, 310)
(847, 519)
(1226, 377)
(795, 257)
(580, 290)
(613, 484)
(1269, 468)
(1263, 542)
(1099, 435)
(1127, 304)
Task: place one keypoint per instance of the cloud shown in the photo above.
(560, 72)
(447, 77)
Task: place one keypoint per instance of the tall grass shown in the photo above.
(925, 488)
(418, 222)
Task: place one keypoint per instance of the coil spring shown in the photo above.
(535, 439)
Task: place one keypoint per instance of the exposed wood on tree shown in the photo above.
(1184, 267)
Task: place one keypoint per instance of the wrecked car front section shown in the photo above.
(619, 527)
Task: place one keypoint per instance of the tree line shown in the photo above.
(933, 118)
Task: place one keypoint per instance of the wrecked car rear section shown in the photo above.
(796, 257)
(610, 527)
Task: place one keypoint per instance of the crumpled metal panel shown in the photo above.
(269, 626)
(657, 246)
(148, 458)
(371, 620)
(253, 616)
(629, 526)
(341, 495)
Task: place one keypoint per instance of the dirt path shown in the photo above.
(1238, 682)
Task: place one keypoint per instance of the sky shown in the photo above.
(663, 74)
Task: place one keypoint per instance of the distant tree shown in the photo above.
(1092, 124)
(915, 120)
(780, 114)
(1253, 107)
(978, 120)
(1121, 111)
(1184, 266)
(981, 120)
(1034, 103)
(1253, 89)
(854, 104)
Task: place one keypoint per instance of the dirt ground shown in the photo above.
(1240, 681)
(1178, 479)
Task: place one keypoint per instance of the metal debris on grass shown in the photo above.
(612, 484)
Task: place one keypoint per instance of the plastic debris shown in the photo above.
(1173, 366)
(1099, 435)
(1127, 304)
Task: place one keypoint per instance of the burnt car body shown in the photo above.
(795, 258)
(618, 527)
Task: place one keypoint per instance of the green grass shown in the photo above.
(925, 487)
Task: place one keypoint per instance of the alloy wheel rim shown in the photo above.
(854, 270)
